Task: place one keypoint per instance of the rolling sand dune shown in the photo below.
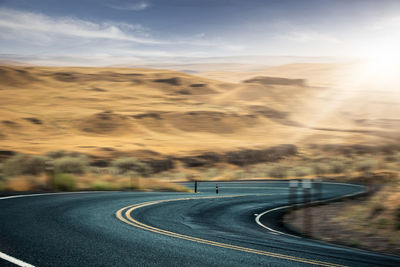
(148, 112)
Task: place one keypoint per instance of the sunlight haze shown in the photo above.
(110, 32)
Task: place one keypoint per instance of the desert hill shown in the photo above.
(153, 113)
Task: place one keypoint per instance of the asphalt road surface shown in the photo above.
(167, 229)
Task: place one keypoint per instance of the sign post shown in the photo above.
(293, 186)
(307, 220)
(318, 188)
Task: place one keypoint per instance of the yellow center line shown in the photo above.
(131, 221)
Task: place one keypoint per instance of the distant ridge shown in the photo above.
(13, 63)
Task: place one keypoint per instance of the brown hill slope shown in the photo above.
(106, 111)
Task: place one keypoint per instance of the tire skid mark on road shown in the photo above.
(125, 216)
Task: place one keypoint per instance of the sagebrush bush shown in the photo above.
(21, 183)
(211, 173)
(64, 182)
(338, 167)
(391, 166)
(238, 174)
(365, 165)
(70, 165)
(397, 218)
(14, 165)
(178, 175)
(56, 154)
(125, 165)
(320, 168)
(22, 164)
(382, 223)
(35, 165)
(104, 186)
(300, 171)
(278, 171)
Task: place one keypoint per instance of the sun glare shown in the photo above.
(382, 65)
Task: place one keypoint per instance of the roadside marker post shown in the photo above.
(307, 220)
(317, 187)
(293, 188)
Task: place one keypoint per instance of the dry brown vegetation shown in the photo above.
(146, 113)
(372, 223)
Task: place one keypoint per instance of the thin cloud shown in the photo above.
(307, 36)
(40, 35)
(391, 23)
(34, 26)
(135, 6)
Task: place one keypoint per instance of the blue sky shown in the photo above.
(124, 31)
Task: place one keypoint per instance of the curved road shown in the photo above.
(166, 229)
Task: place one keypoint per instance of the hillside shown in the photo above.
(108, 112)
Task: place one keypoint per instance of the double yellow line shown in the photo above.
(124, 215)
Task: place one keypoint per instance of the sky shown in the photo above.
(103, 32)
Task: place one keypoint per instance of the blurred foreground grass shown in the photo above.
(371, 222)
(359, 222)
(75, 171)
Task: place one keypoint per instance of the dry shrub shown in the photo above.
(299, 171)
(105, 186)
(119, 182)
(278, 171)
(57, 154)
(338, 166)
(123, 181)
(76, 165)
(178, 175)
(393, 199)
(155, 184)
(238, 174)
(397, 218)
(320, 168)
(23, 164)
(125, 165)
(252, 156)
(211, 173)
(365, 164)
(161, 165)
(64, 182)
(89, 181)
(20, 183)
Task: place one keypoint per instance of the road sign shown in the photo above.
(306, 184)
(293, 183)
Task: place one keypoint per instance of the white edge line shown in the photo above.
(14, 260)
(288, 206)
(57, 193)
(20, 262)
